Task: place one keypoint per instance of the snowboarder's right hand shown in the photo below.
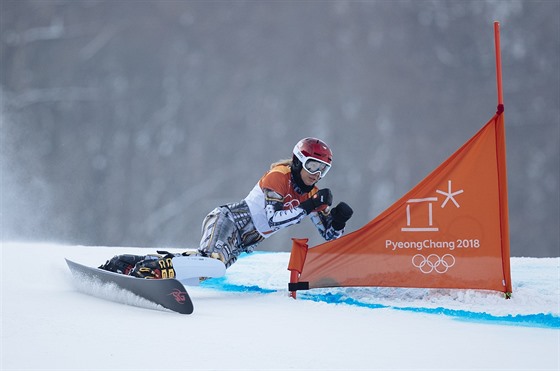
(323, 197)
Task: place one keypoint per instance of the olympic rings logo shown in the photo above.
(433, 263)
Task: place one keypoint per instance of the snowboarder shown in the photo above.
(284, 196)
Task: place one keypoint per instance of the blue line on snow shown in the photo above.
(530, 320)
(541, 320)
(222, 285)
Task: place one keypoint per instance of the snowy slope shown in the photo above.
(246, 321)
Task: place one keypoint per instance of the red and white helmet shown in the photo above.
(314, 155)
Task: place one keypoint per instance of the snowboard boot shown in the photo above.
(122, 264)
(154, 267)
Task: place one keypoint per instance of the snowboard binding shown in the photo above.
(153, 266)
(122, 264)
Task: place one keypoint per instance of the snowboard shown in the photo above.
(169, 293)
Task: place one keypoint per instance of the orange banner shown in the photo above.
(450, 231)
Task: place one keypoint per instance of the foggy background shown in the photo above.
(125, 122)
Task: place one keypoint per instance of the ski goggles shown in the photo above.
(314, 166)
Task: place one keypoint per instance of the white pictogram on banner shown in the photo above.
(427, 225)
(428, 228)
(449, 195)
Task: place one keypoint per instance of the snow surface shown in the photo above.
(246, 321)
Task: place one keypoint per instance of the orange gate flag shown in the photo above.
(450, 231)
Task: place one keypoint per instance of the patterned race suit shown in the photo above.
(273, 204)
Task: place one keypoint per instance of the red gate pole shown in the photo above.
(501, 149)
(498, 66)
(297, 259)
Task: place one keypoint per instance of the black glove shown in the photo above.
(322, 197)
(340, 215)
